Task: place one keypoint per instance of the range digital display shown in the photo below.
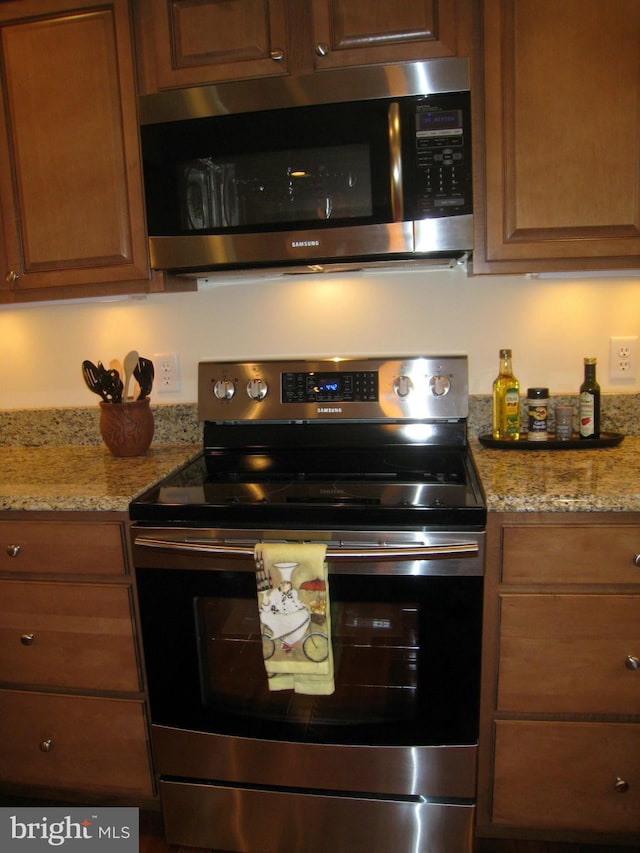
(335, 387)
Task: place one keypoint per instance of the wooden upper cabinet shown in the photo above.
(70, 175)
(353, 32)
(182, 43)
(186, 44)
(558, 183)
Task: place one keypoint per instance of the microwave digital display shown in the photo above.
(432, 121)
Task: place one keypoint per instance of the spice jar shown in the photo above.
(538, 410)
(564, 422)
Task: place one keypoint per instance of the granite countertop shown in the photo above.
(82, 477)
(593, 480)
(54, 459)
(90, 478)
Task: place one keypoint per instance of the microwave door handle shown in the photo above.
(395, 159)
(399, 553)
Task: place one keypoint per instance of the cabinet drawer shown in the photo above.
(67, 635)
(569, 653)
(71, 742)
(564, 776)
(573, 554)
(94, 548)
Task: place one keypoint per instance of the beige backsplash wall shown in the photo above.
(549, 324)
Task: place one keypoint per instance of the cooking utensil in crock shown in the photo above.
(111, 384)
(129, 365)
(93, 379)
(144, 373)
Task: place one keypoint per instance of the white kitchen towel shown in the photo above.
(295, 619)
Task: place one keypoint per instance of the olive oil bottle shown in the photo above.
(506, 401)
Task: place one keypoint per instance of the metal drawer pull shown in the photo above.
(632, 662)
(27, 639)
(409, 552)
(13, 550)
(636, 559)
(621, 785)
(46, 745)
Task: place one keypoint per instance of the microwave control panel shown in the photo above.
(441, 183)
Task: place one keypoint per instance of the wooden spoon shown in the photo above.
(129, 364)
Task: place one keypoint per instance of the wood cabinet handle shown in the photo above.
(46, 745)
(11, 277)
(277, 54)
(322, 49)
(632, 662)
(13, 550)
(621, 785)
(636, 559)
(27, 639)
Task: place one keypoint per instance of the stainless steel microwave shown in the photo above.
(354, 167)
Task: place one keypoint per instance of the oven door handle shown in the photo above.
(383, 552)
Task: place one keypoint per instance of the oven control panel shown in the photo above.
(372, 389)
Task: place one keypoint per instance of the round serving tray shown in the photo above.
(607, 439)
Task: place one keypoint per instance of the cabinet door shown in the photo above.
(560, 177)
(65, 635)
(211, 41)
(70, 176)
(350, 32)
(77, 743)
(62, 547)
(569, 654)
(571, 776)
(580, 553)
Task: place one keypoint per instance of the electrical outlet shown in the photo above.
(623, 359)
(167, 379)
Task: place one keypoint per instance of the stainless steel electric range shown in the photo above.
(370, 458)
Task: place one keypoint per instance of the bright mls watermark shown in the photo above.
(77, 829)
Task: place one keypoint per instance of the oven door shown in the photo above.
(406, 636)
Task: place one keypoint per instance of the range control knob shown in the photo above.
(439, 385)
(257, 389)
(224, 389)
(402, 386)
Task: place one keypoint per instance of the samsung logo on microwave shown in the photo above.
(302, 244)
(329, 410)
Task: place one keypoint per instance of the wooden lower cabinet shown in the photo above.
(560, 706)
(78, 636)
(73, 711)
(78, 743)
(567, 775)
(569, 654)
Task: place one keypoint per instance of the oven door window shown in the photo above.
(406, 656)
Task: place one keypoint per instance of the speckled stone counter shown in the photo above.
(54, 459)
(594, 480)
(82, 477)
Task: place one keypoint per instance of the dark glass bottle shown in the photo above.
(590, 402)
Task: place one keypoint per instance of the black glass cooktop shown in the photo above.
(336, 487)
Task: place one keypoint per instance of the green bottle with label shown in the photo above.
(506, 401)
(590, 401)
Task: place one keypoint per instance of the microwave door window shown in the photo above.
(308, 186)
